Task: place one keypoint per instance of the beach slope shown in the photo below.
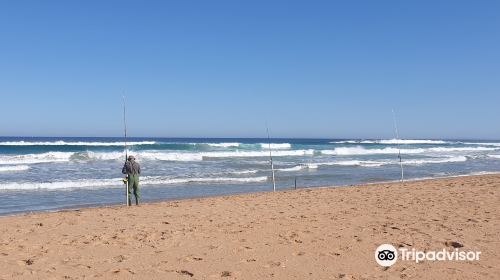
(322, 233)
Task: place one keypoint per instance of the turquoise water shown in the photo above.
(39, 174)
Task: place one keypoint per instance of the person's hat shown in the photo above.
(131, 157)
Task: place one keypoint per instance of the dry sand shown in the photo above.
(325, 233)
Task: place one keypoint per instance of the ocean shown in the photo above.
(46, 174)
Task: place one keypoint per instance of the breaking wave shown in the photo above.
(36, 158)
(200, 156)
(256, 154)
(207, 155)
(276, 146)
(222, 145)
(263, 146)
(291, 169)
(143, 155)
(117, 182)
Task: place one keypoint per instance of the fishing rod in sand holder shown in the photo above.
(125, 180)
(397, 141)
(271, 157)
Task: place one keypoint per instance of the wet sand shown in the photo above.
(321, 233)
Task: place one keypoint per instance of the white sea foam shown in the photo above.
(208, 155)
(257, 153)
(410, 141)
(393, 141)
(363, 163)
(14, 168)
(196, 156)
(169, 156)
(60, 157)
(494, 156)
(312, 165)
(370, 163)
(276, 146)
(358, 150)
(117, 182)
(346, 142)
(89, 183)
(223, 145)
(159, 180)
(64, 143)
(477, 173)
(483, 144)
(143, 155)
(291, 169)
(438, 160)
(462, 149)
(244, 172)
(199, 156)
(89, 155)
(36, 158)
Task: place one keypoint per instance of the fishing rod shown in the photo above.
(271, 157)
(126, 149)
(397, 141)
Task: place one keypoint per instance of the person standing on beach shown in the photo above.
(133, 170)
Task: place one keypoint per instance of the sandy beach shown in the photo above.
(322, 233)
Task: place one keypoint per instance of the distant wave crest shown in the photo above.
(393, 141)
(80, 143)
(358, 150)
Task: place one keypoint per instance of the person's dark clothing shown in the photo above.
(133, 170)
(131, 167)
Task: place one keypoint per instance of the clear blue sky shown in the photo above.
(331, 69)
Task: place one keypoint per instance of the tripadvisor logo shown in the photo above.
(387, 255)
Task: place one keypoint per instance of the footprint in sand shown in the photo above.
(191, 258)
(453, 244)
(120, 258)
(272, 264)
(28, 261)
(185, 272)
